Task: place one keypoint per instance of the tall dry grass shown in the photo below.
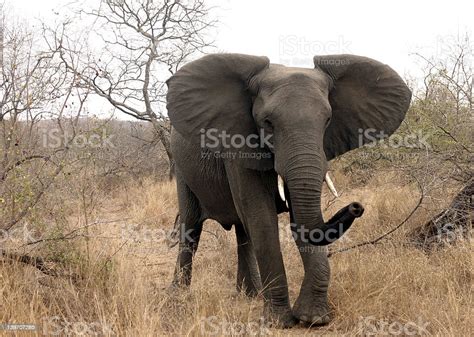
(123, 287)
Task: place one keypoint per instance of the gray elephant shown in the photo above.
(239, 122)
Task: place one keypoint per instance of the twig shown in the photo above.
(70, 236)
(109, 259)
(454, 138)
(376, 240)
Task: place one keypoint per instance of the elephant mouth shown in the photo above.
(327, 179)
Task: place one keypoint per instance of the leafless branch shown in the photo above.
(385, 235)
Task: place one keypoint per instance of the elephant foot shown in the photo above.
(312, 311)
(279, 319)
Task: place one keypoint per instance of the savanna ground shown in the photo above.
(125, 267)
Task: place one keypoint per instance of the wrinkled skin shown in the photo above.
(312, 115)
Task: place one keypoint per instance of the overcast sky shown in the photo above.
(291, 32)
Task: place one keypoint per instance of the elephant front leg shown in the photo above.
(311, 305)
(256, 208)
(248, 278)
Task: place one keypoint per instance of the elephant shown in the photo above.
(239, 123)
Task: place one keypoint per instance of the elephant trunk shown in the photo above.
(304, 173)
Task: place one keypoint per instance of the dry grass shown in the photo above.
(124, 284)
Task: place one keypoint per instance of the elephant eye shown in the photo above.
(267, 125)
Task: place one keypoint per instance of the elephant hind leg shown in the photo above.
(190, 229)
(248, 277)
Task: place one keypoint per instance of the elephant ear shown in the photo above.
(368, 99)
(210, 98)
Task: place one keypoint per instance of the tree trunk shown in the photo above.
(163, 136)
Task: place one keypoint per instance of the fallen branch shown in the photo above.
(39, 263)
(35, 261)
(449, 225)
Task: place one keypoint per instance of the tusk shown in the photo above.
(331, 185)
(281, 189)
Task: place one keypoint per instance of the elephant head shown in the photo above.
(312, 116)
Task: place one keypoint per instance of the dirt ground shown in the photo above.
(389, 288)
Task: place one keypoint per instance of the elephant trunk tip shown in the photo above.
(356, 209)
(339, 224)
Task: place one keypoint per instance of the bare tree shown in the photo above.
(37, 96)
(449, 75)
(142, 42)
(445, 107)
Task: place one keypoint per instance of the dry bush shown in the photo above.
(151, 202)
(124, 285)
